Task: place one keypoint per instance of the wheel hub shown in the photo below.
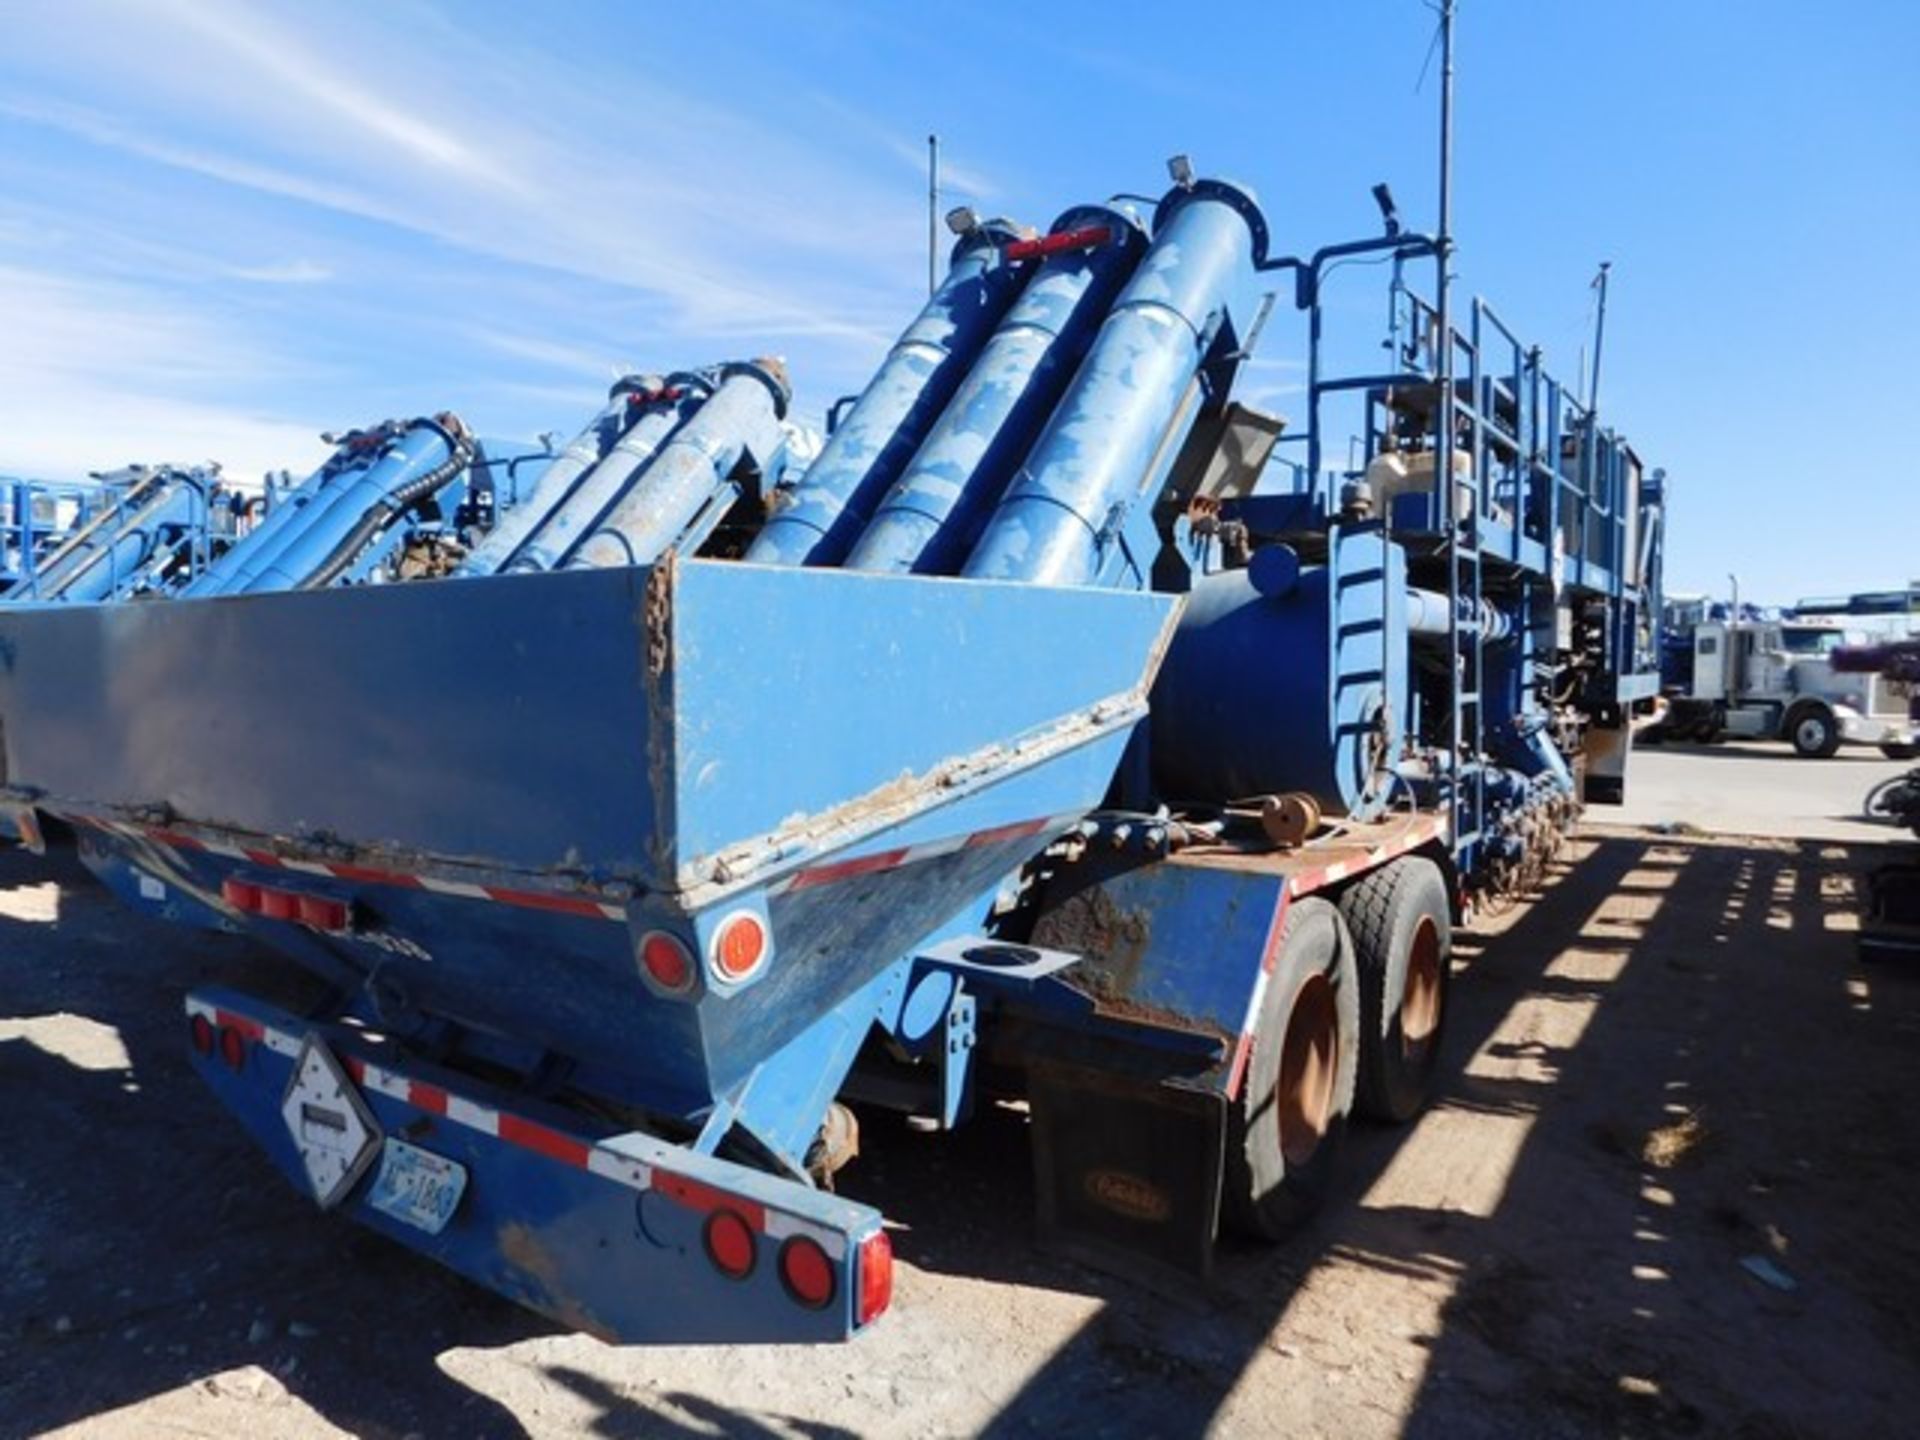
(1420, 998)
(1309, 1062)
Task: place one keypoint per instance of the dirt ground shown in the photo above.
(1663, 1193)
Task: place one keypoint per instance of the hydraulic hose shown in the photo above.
(382, 512)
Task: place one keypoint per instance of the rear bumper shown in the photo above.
(610, 1234)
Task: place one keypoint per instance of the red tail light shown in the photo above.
(666, 961)
(807, 1273)
(201, 1029)
(233, 1047)
(730, 1244)
(876, 1278)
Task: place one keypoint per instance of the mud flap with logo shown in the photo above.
(1127, 1170)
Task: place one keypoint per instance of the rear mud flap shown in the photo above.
(1127, 1171)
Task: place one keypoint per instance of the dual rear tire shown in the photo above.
(1351, 1019)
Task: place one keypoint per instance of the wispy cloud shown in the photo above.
(101, 376)
(956, 174)
(552, 354)
(278, 55)
(284, 272)
(91, 125)
(726, 224)
(425, 171)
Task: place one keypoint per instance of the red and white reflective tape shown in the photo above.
(638, 1172)
(551, 901)
(1418, 832)
(881, 860)
(1269, 955)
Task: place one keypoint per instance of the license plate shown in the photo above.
(417, 1187)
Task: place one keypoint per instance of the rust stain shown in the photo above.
(656, 619)
(1113, 942)
(523, 1251)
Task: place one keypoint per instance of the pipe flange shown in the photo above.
(770, 372)
(1240, 197)
(700, 382)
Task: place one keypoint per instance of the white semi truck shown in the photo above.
(1757, 675)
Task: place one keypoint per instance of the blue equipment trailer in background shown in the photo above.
(1054, 733)
(38, 517)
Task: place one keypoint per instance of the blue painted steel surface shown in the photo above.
(1143, 930)
(579, 1244)
(41, 519)
(283, 516)
(931, 518)
(560, 479)
(174, 508)
(740, 421)
(422, 451)
(879, 435)
(80, 546)
(1264, 694)
(299, 534)
(1119, 426)
(656, 779)
(613, 476)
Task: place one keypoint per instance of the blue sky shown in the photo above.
(224, 228)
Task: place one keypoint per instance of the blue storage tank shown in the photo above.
(1278, 677)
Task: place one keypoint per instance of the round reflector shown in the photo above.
(730, 1244)
(739, 945)
(807, 1272)
(233, 1047)
(666, 961)
(201, 1029)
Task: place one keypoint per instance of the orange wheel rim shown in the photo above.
(1309, 1061)
(1420, 998)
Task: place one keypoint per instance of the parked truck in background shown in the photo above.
(1747, 673)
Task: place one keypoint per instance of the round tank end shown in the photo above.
(1274, 570)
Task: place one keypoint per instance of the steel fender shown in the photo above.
(1172, 945)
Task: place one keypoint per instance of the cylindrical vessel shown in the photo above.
(231, 572)
(1427, 616)
(742, 415)
(1099, 451)
(560, 479)
(1245, 704)
(875, 439)
(930, 518)
(423, 446)
(610, 479)
(116, 561)
(79, 548)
